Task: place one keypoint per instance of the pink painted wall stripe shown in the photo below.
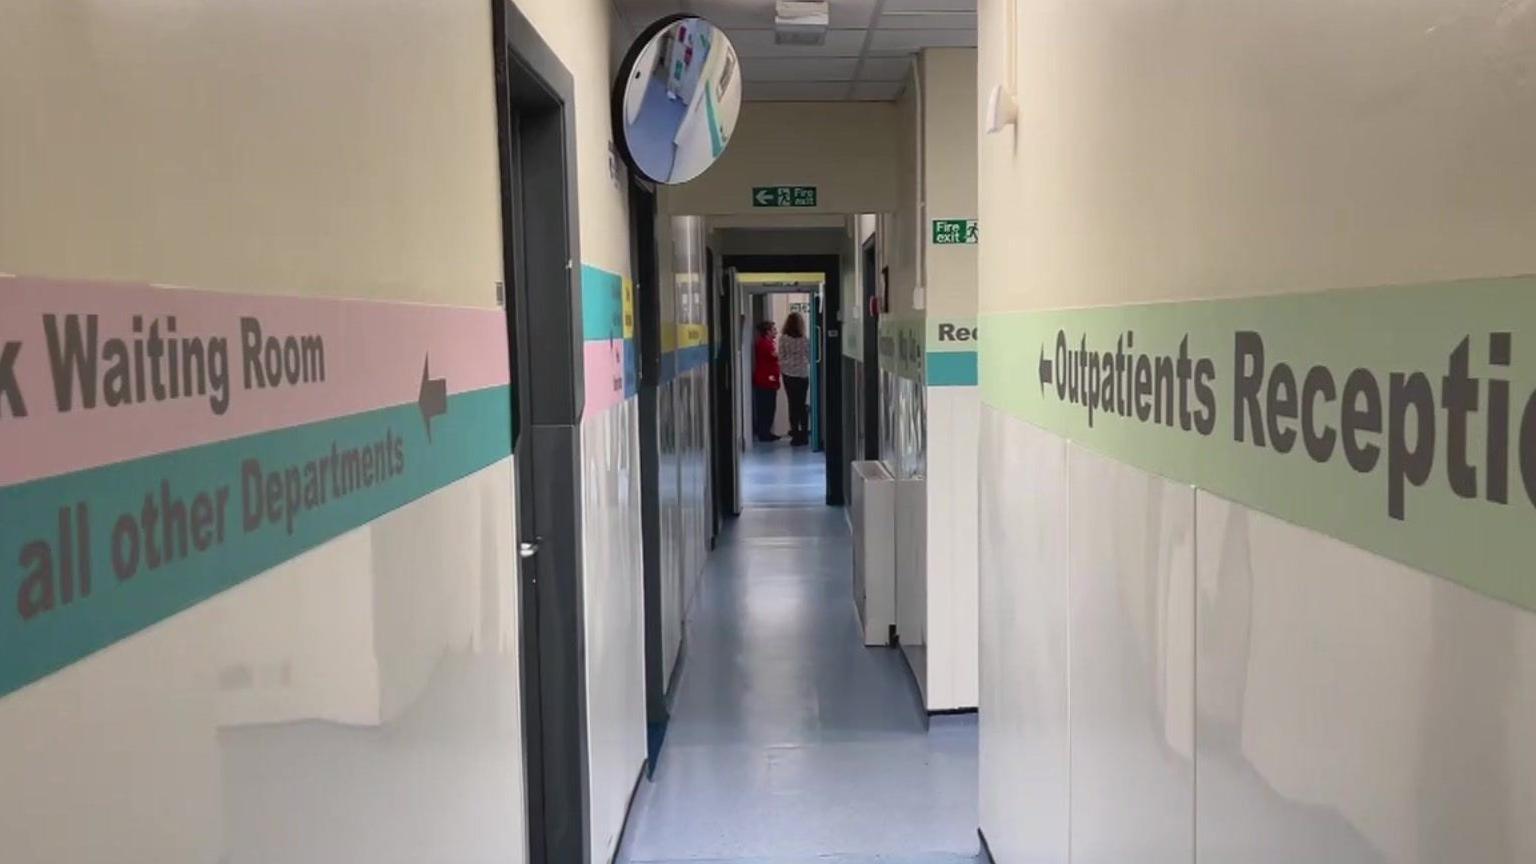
(373, 351)
(603, 369)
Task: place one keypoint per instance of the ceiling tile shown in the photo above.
(882, 91)
(799, 68)
(929, 5)
(928, 21)
(759, 43)
(738, 13)
(847, 13)
(640, 13)
(799, 91)
(912, 40)
(885, 68)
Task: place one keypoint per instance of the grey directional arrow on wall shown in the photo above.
(433, 398)
(1045, 371)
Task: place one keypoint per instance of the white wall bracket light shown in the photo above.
(1002, 109)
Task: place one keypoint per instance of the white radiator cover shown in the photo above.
(872, 512)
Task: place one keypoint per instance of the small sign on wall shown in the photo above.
(159, 446)
(783, 196)
(1399, 419)
(954, 232)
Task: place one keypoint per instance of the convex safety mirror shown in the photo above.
(676, 100)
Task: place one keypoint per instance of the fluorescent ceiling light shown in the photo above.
(800, 22)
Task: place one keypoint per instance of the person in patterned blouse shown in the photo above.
(795, 363)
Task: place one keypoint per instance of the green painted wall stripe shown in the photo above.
(473, 434)
(1413, 504)
(901, 345)
(952, 368)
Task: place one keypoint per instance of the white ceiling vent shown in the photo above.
(800, 22)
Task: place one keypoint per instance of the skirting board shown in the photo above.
(986, 850)
(629, 810)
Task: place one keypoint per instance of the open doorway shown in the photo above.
(764, 287)
(784, 463)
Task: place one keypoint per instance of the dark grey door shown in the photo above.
(536, 131)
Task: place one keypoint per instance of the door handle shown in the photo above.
(526, 549)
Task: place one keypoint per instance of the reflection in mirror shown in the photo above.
(678, 101)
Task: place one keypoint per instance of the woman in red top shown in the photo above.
(765, 382)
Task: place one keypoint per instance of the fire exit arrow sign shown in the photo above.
(954, 232)
(783, 196)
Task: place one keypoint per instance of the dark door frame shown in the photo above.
(714, 291)
(643, 253)
(726, 446)
(874, 307)
(831, 268)
(536, 135)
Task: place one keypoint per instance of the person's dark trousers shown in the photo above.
(764, 404)
(795, 390)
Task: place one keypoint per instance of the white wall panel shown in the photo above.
(683, 431)
(953, 425)
(911, 538)
(1131, 564)
(615, 645)
(1352, 709)
(1342, 707)
(1024, 649)
(698, 513)
(359, 702)
(669, 522)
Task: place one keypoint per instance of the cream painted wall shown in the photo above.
(340, 149)
(898, 229)
(254, 146)
(274, 147)
(1220, 149)
(845, 149)
(936, 167)
(577, 30)
(936, 170)
(360, 161)
(771, 221)
(1226, 149)
(953, 413)
(949, 166)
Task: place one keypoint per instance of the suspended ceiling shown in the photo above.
(866, 56)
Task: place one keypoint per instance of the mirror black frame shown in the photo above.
(621, 82)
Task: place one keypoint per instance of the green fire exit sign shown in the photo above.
(783, 196)
(954, 232)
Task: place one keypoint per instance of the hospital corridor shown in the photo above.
(767, 432)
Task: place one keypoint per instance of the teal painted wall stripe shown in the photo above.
(952, 369)
(473, 434)
(602, 304)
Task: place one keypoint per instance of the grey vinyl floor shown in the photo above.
(790, 742)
